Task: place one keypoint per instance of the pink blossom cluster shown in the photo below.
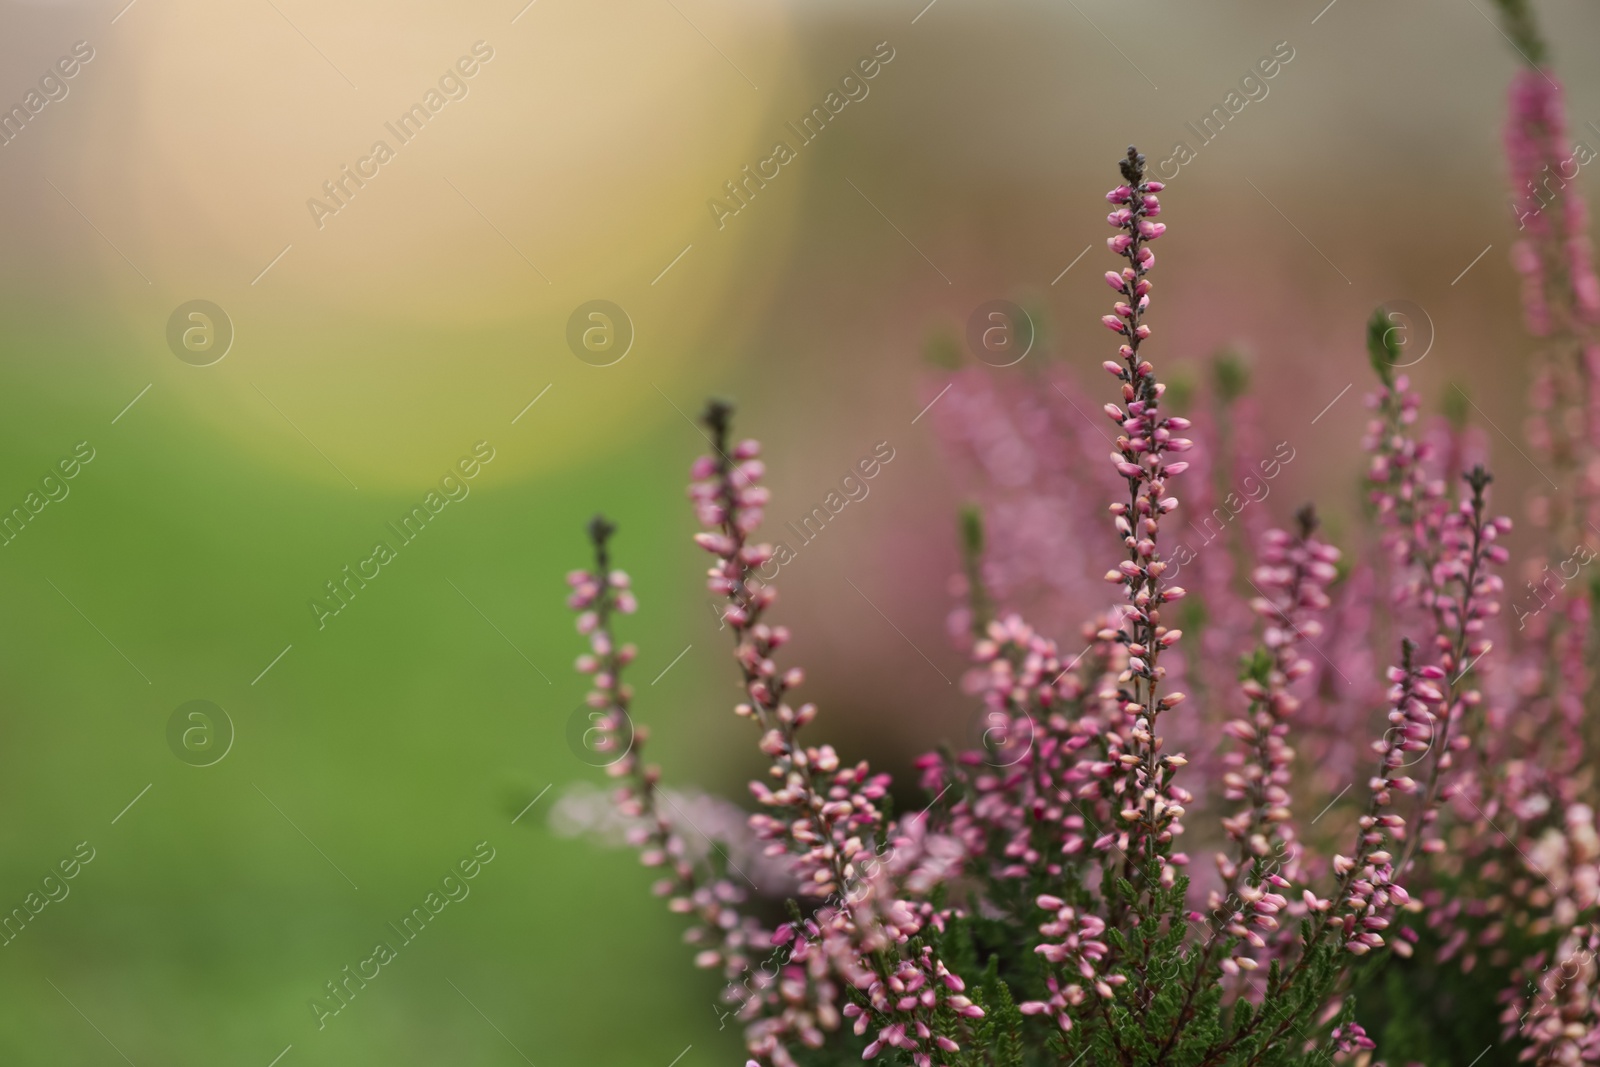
(1437, 571)
(1292, 582)
(1074, 958)
(1556, 259)
(1065, 822)
(823, 813)
(1556, 1011)
(1561, 302)
(1352, 1038)
(1368, 893)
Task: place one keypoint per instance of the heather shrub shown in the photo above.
(1258, 801)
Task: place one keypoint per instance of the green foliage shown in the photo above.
(1456, 405)
(1038, 315)
(1383, 346)
(1444, 1015)
(997, 1039)
(972, 530)
(943, 350)
(1180, 392)
(1230, 375)
(1172, 1012)
(1192, 614)
(1256, 666)
(1435, 1015)
(1516, 17)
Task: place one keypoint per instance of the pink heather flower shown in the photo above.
(1555, 256)
(1561, 300)
(1442, 556)
(825, 814)
(1291, 581)
(1557, 1020)
(1037, 781)
(1154, 806)
(727, 937)
(1072, 977)
(1351, 1038)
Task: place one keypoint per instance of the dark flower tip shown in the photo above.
(600, 530)
(1307, 520)
(1133, 167)
(718, 415)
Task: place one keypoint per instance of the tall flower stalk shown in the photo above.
(1292, 580)
(723, 935)
(1153, 805)
(823, 813)
(1554, 256)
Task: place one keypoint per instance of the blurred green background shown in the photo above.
(433, 308)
